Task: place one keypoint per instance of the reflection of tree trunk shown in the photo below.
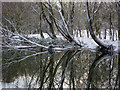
(44, 70)
(91, 29)
(72, 75)
(65, 66)
(51, 79)
(110, 71)
(119, 69)
(94, 65)
(92, 70)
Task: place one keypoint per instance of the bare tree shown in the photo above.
(49, 21)
(89, 19)
(118, 10)
(64, 24)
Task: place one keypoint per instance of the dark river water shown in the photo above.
(68, 69)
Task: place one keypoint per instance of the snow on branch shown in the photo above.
(65, 25)
(24, 38)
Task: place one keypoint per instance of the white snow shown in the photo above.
(84, 40)
(15, 37)
(38, 36)
(34, 36)
(90, 43)
(22, 81)
(87, 42)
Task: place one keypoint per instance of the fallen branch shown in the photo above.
(19, 47)
(34, 43)
(24, 38)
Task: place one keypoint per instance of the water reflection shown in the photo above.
(103, 72)
(69, 69)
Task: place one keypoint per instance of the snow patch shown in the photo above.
(38, 36)
(84, 40)
(87, 42)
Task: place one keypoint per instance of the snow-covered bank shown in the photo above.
(38, 36)
(61, 42)
(90, 43)
(77, 34)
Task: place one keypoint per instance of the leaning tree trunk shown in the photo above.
(91, 29)
(118, 8)
(118, 20)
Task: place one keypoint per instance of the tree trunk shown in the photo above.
(110, 27)
(105, 34)
(119, 22)
(41, 28)
(91, 29)
(88, 33)
(79, 29)
(52, 23)
(71, 18)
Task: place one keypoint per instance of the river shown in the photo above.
(67, 69)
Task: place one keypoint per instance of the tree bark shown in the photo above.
(119, 21)
(105, 34)
(71, 18)
(41, 33)
(91, 29)
(50, 23)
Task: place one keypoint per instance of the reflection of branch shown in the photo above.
(25, 58)
(119, 67)
(65, 70)
(45, 67)
(13, 56)
(32, 78)
(95, 64)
